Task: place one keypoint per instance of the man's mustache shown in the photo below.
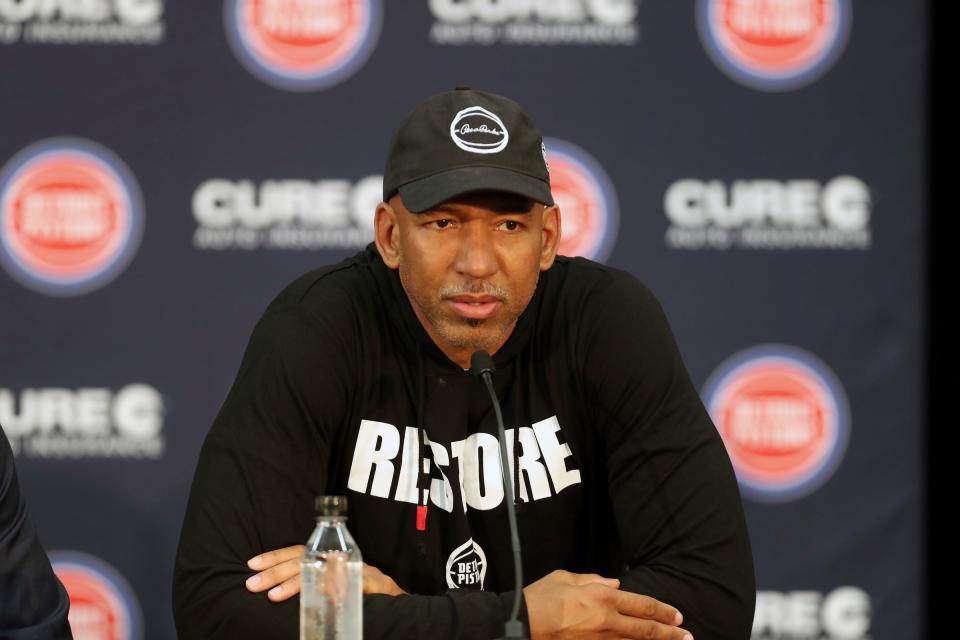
(479, 288)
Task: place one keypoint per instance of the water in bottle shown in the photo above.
(331, 574)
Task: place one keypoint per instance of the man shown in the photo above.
(355, 383)
(33, 603)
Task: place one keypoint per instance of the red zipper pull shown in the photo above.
(421, 517)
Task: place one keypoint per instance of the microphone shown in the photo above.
(481, 365)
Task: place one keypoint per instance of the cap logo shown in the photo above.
(477, 130)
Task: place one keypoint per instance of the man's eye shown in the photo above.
(441, 224)
(510, 225)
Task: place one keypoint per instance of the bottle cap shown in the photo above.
(330, 505)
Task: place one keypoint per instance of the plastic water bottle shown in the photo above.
(331, 574)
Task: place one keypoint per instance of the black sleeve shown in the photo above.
(673, 490)
(263, 462)
(33, 602)
(458, 614)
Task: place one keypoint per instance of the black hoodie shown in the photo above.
(341, 391)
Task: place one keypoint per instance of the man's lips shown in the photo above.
(474, 307)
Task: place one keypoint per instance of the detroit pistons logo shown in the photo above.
(467, 566)
(102, 604)
(587, 201)
(71, 216)
(774, 45)
(303, 45)
(784, 419)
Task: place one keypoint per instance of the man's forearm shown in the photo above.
(711, 610)
(458, 615)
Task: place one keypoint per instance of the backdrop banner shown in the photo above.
(166, 168)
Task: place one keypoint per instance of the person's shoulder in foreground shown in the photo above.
(465, 259)
(33, 602)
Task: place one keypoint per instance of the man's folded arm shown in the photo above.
(457, 615)
(672, 488)
(211, 600)
(260, 467)
(698, 557)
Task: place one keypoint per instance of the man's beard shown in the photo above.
(475, 337)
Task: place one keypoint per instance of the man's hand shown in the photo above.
(279, 571)
(564, 605)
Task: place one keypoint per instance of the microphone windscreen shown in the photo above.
(481, 363)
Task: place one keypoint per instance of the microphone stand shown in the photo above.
(481, 365)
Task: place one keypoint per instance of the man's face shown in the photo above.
(470, 265)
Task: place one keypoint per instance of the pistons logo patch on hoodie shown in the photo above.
(467, 566)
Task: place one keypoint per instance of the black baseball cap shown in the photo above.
(465, 140)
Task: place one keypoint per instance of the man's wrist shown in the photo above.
(521, 631)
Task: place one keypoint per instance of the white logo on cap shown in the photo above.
(477, 130)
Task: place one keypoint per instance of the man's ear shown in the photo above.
(386, 233)
(550, 236)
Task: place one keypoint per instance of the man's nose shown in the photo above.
(476, 255)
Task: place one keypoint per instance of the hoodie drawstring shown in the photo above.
(421, 523)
